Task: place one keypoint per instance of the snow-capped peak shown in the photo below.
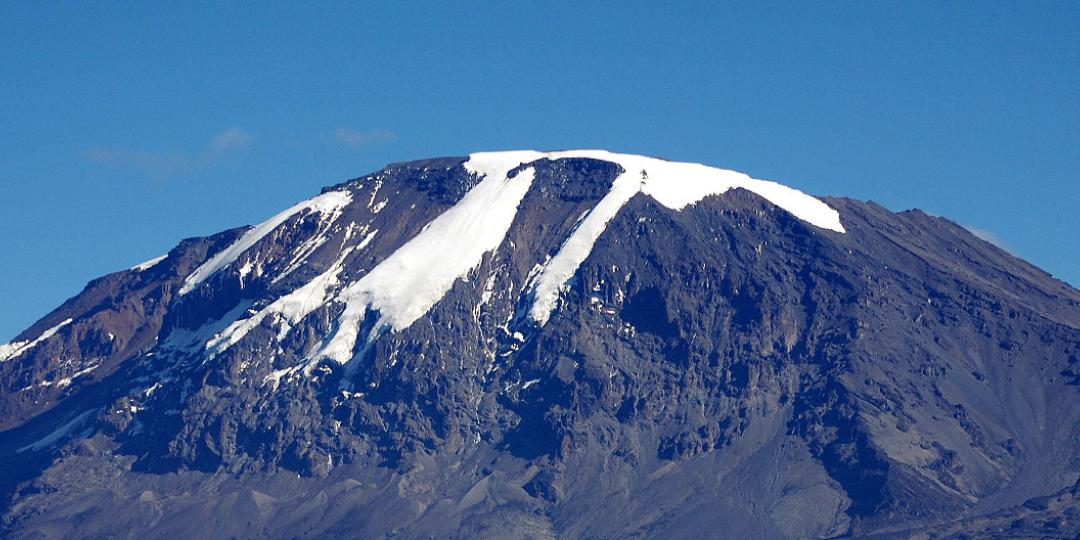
(677, 184)
(412, 279)
(672, 184)
(408, 283)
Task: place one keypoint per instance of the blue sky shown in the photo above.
(123, 130)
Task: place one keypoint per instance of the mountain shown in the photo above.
(568, 344)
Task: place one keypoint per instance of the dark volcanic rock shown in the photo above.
(723, 370)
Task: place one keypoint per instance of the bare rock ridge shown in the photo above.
(574, 344)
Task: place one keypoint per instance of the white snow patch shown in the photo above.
(408, 283)
(244, 270)
(309, 246)
(405, 285)
(149, 264)
(375, 192)
(367, 239)
(182, 339)
(274, 377)
(328, 203)
(149, 391)
(66, 381)
(17, 348)
(292, 308)
(489, 288)
(672, 184)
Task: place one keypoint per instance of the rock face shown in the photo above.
(725, 362)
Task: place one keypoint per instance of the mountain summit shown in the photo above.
(574, 344)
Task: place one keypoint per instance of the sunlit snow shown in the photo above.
(291, 308)
(328, 203)
(148, 264)
(415, 277)
(672, 184)
(17, 348)
(405, 285)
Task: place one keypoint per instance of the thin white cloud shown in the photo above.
(231, 139)
(358, 139)
(149, 163)
(989, 236)
(165, 163)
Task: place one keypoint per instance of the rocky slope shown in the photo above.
(572, 345)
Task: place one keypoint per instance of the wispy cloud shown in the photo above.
(359, 139)
(159, 164)
(231, 139)
(989, 236)
(150, 163)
